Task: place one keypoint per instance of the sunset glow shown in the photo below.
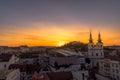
(55, 23)
(61, 43)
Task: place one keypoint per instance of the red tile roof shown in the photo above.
(53, 76)
(37, 76)
(60, 76)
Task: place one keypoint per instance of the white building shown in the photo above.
(10, 74)
(80, 75)
(115, 69)
(24, 49)
(5, 49)
(6, 60)
(95, 52)
(65, 57)
(104, 67)
(102, 77)
(110, 68)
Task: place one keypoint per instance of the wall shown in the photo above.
(13, 75)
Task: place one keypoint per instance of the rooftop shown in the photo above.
(53, 76)
(69, 53)
(25, 67)
(28, 55)
(4, 73)
(5, 57)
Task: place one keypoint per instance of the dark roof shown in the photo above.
(5, 57)
(111, 57)
(25, 67)
(33, 52)
(60, 76)
(115, 58)
(27, 55)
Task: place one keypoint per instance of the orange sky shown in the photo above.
(55, 22)
(55, 35)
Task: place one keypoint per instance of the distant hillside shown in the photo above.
(78, 46)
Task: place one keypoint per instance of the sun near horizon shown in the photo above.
(61, 44)
(53, 23)
(55, 37)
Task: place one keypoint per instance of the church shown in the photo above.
(95, 52)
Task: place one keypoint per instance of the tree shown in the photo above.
(77, 46)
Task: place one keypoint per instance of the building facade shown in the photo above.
(110, 69)
(95, 52)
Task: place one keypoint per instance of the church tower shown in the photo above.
(95, 52)
(90, 46)
(100, 46)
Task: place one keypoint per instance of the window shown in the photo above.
(92, 53)
(113, 70)
(116, 65)
(117, 71)
(23, 78)
(117, 77)
(96, 54)
(113, 65)
(101, 67)
(92, 46)
(4, 65)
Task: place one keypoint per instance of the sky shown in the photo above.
(55, 22)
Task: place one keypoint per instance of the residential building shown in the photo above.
(28, 58)
(6, 60)
(110, 68)
(10, 74)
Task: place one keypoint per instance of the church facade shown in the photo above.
(95, 52)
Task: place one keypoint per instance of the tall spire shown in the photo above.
(90, 39)
(99, 38)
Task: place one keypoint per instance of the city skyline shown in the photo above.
(53, 23)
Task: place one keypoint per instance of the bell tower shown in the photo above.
(95, 52)
(90, 46)
(100, 46)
